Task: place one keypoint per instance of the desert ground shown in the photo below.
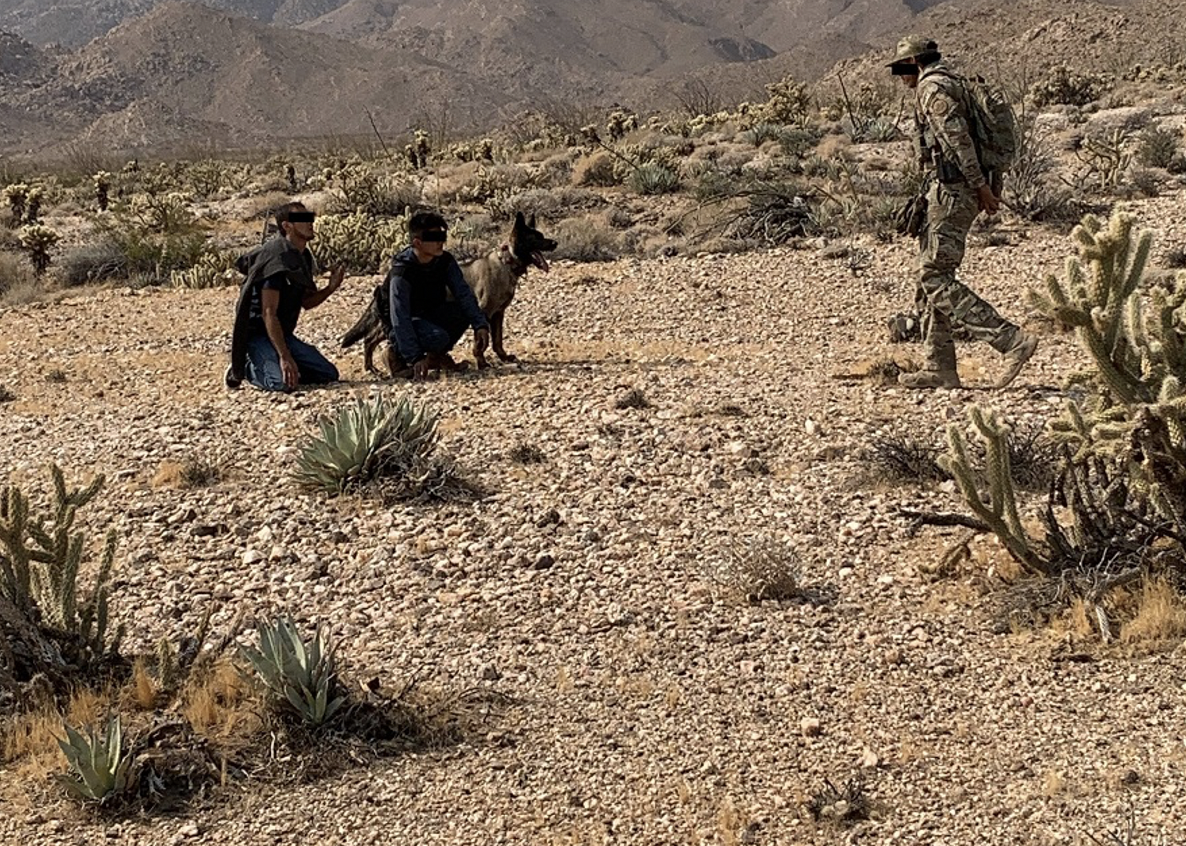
(632, 696)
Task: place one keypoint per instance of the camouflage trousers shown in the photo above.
(942, 300)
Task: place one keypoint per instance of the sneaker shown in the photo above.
(1021, 352)
(229, 379)
(930, 379)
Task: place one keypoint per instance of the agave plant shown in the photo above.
(298, 673)
(365, 441)
(100, 768)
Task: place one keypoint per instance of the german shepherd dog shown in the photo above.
(493, 278)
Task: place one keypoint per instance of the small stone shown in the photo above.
(252, 556)
(869, 759)
(190, 829)
(490, 673)
(544, 562)
(810, 727)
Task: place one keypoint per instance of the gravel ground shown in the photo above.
(646, 705)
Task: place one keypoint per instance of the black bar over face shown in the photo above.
(434, 235)
(904, 69)
(301, 217)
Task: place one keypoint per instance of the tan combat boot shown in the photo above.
(1017, 355)
(930, 379)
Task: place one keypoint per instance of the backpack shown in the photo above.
(991, 122)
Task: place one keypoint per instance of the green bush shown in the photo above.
(1156, 147)
(368, 441)
(1067, 87)
(654, 178)
(100, 768)
(300, 675)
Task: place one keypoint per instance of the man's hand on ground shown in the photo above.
(989, 202)
(290, 372)
(420, 369)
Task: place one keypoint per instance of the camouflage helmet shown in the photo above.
(912, 46)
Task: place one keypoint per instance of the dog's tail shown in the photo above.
(360, 329)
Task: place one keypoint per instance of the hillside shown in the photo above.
(183, 72)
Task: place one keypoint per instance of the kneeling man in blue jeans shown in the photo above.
(279, 284)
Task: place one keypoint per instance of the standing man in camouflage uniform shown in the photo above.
(959, 189)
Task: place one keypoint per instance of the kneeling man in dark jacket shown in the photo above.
(431, 303)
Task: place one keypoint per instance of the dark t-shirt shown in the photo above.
(293, 288)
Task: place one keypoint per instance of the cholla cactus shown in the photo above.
(1000, 512)
(1137, 343)
(42, 559)
(213, 270)
(619, 123)
(17, 195)
(363, 244)
(789, 102)
(33, 204)
(37, 241)
(423, 148)
(102, 183)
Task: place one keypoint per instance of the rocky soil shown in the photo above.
(645, 703)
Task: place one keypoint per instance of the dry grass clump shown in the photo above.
(199, 472)
(595, 170)
(586, 238)
(634, 398)
(526, 453)
(17, 280)
(1159, 613)
(903, 458)
(760, 570)
(842, 806)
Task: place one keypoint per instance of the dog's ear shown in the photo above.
(520, 223)
(531, 222)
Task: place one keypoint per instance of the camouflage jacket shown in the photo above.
(942, 114)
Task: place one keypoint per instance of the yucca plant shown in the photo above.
(654, 178)
(297, 673)
(100, 769)
(366, 441)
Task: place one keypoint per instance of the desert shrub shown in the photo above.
(300, 675)
(586, 239)
(361, 243)
(654, 178)
(368, 442)
(15, 273)
(1030, 190)
(1156, 147)
(551, 203)
(156, 234)
(91, 262)
(901, 457)
(494, 180)
(1067, 87)
(595, 170)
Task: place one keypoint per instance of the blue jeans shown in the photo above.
(263, 363)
